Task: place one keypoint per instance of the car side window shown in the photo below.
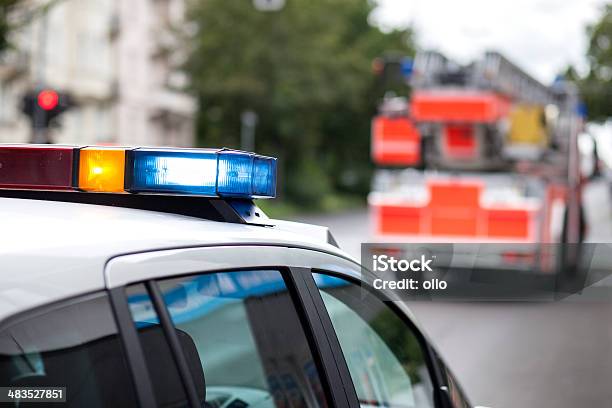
(248, 339)
(384, 357)
(75, 346)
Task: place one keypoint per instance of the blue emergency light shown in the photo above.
(214, 173)
(188, 172)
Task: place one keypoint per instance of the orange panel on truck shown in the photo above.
(454, 208)
(457, 106)
(399, 219)
(506, 223)
(395, 141)
(449, 194)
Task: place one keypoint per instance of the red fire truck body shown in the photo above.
(480, 154)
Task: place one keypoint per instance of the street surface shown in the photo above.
(517, 354)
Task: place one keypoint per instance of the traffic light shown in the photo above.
(42, 106)
(47, 99)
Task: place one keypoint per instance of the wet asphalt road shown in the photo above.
(517, 354)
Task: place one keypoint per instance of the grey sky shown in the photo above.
(542, 36)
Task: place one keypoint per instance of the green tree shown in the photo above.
(597, 86)
(6, 6)
(306, 72)
(15, 14)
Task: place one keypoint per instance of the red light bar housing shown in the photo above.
(43, 167)
(458, 106)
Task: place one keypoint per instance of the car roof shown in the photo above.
(45, 244)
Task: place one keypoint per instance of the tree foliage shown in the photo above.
(597, 86)
(6, 6)
(306, 72)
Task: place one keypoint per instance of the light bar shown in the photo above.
(178, 172)
(42, 167)
(235, 174)
(101, 169)
(202, 172)
(264, 176)
(244, 173)
(213, 173)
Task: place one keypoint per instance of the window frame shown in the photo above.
(294, 265)
(439, 384)
(131, 343)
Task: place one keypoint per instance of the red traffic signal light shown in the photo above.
(43, 105)
(47, 99)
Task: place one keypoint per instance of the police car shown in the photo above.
(148, 277)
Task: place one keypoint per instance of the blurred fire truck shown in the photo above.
(478, 153)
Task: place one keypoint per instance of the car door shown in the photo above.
(228, 326)
(253, 326)
(389, 360)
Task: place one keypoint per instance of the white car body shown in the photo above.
(55, 250)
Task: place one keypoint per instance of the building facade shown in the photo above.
(119, 60)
